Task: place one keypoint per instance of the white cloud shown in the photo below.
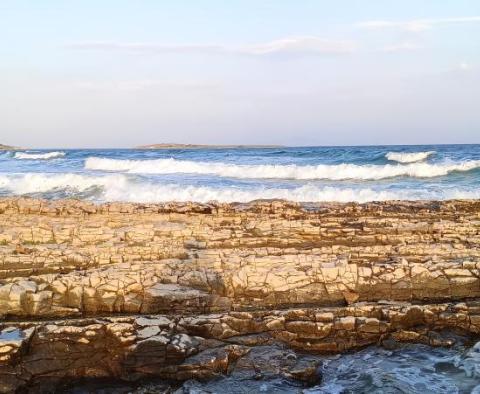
(143, 84)
(145, 47)
(465, 66)
(300, 44)
(291, 45)
(416, 25)
(401, 47)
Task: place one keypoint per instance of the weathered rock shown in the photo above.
(202, 347)
(205, 285)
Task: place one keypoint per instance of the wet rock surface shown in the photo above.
(198, 296)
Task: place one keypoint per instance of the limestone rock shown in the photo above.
(195, 291)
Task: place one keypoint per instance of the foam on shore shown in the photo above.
(120, 187)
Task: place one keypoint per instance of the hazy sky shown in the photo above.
(119, 73)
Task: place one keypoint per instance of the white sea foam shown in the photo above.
(265, 171)
(38, 156)
(119, 187)
(29, 183)
(307, 193)
(412, 157)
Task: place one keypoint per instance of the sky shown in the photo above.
(118, 73)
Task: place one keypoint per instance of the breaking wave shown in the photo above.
(30, 183)
(38, 156)
(271, 171)
(411, 157)
(119, 187)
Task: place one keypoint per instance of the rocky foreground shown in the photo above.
(175, 292)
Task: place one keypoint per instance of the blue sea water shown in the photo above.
(304, 174)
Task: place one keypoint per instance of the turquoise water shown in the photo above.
(304, 174)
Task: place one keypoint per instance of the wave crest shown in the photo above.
(266, 171)
(30, 183)
(120, 187)
(411, 157)
(38, 156)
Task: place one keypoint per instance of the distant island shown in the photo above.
(195, 146)
(7, 147)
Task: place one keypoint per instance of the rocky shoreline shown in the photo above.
(193, 292)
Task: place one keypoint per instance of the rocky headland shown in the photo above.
(181, 293)
(7, 147)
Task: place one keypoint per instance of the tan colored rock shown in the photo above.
(345, 323)
(182, 291)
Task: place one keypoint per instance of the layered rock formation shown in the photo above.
(193, 291)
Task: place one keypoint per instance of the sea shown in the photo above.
(302, 174)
